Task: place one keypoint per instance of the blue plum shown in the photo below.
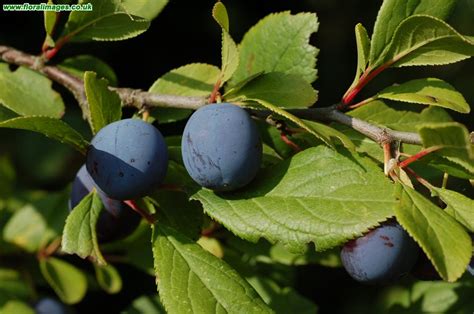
(382, 255)
(50, 306)
(221, 147)
(127, 159)
(116, 221)
(470, 267)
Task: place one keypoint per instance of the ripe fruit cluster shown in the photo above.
(382, 255)
(221, 150)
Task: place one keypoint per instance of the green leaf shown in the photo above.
(428, 297)
(105, 105)
(393, 12)
(265, 252)
(12, 285)
(79, 64)
(192, 280)
(79, 236)
(27, 92)
(230, 57)
(319, 196)
(331, 134)
(444, 241)
(219, 13)
(402, 117)
(363, 49)
(108, 278)
(148, 9)
(36, 224)
(294, 119)
(50, 127)
(195, 79)
(109, 20)
(146, 305)
(459, 206)
(282, 300)
(279, 43)
(230, 52)
(429, 91)
(69, 283)
(280, 89)
(16, 307)
(425, 40)
(50, 18)
(6, 114)
(454, 139)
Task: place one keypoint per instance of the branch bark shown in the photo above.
(141, 99)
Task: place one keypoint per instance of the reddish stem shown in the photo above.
(49, 250)
(49, 54)
(290, 143)
(363, 102)
(387, 155)
(148, 217)
(418, 178)
(215, 92)
(418, 156)
(210, 231)
(364, 80)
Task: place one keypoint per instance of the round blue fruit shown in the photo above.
(382, 255)
(127, 159)
(221, 147)
(117, 220)
(50, 306)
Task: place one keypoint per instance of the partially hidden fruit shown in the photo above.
(127, 159)
(50, 306)
(380, 256)
(116, 221)
(221, 147)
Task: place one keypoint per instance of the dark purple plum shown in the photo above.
(50, 306)
(382, 255)
(127, 159)
(116, 221)
(221, 147)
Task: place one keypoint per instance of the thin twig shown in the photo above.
(140, 99)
